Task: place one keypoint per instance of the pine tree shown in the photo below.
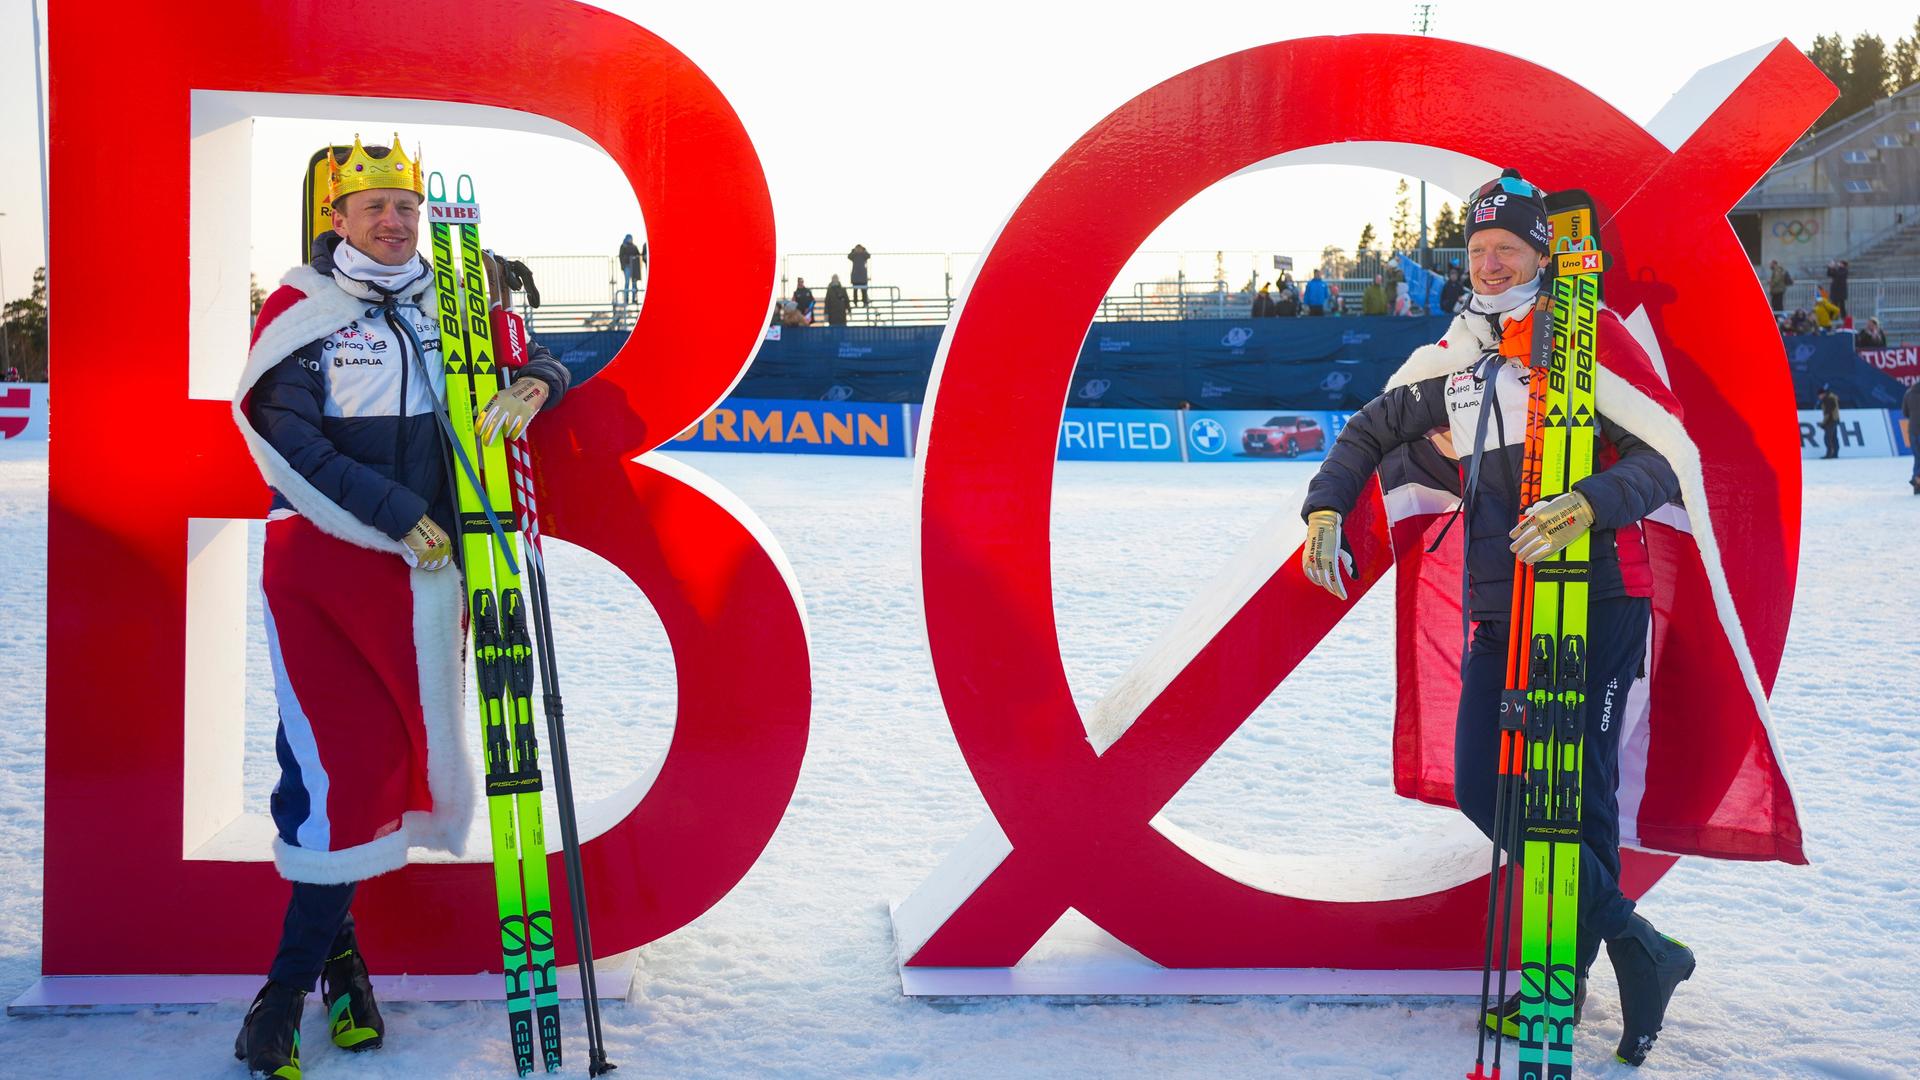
(1866, 75)
(1334, 262)
(1449, 229)
(1406, 234)
(256, 296)
(1903, 69)
(25, 327)
(1829, 54)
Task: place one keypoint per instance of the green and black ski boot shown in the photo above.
(1649, 965)
(353, 1017)
(1504, 1018)
(269, 1040)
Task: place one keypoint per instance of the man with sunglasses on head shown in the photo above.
(1466, 399)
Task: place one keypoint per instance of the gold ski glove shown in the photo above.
(427, 547)
(1324, 556)
(1550, 526)
(512, 409)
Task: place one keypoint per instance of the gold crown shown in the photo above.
(363, 171)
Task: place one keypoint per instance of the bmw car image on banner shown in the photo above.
(1276, 434)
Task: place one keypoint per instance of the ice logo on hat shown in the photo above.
(1488, 207)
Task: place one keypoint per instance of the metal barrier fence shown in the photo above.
(1894, 301)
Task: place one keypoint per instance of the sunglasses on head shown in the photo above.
(1511, 185)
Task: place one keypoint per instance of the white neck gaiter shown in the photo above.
(357, 265)
(1501, 303)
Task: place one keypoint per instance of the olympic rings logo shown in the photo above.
(1796, 231)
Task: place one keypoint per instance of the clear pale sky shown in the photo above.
(916, 126)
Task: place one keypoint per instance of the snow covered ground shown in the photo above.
(1801, 969)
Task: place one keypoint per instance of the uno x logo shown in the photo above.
(1073, 816)
(118, 521)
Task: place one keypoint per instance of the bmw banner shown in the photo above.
(1120, 435)
(1248, 435)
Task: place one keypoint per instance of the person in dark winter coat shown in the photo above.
(1837, 271)
(803, 299)
(340, 405)
(858, 279)
(1286, 299)
(1263, 303)
(630, 267)
(1777, 282)
(837, 305)
(1453, 293)
(1507, 242)
(1873, 337)
(1830, 420)
(1910, 420)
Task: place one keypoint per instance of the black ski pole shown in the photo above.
(521, 467)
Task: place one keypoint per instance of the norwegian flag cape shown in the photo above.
(1700, 773)
(366, 653)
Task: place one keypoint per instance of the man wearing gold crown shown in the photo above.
(341, 405)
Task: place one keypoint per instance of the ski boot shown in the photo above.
(353, 1017)
(1649, 965)
(1504, 1018)
(269, 1040)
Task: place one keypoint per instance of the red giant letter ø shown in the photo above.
(1073, 821)
(120, 501)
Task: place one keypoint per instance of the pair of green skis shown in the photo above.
(503, 651)
(1543, 710)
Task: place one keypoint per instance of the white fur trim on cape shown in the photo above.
(437, 605)
(1624, 404)
(326, 308)
(437, 641)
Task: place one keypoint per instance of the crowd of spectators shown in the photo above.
(798, 310)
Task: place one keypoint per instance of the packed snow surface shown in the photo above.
(1804, 971)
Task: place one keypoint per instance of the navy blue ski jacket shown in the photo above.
(1630, 481)
(354, 412)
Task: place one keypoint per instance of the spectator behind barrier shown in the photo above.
(1873, 337)
(803, 299)
(1777, 281)
(1374, 300)
(1286, 302)
(1837, 286)
(1826, 313)
(1453, 294)
(837, 304)
(1316, 295)
(858, 257)
(632, 264)
(1263, 303)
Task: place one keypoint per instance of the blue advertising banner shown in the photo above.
(1818, 360)
(1903, 433)
(1209, 364)
(749, 425)
(1264, 435)
(1323, 363)
(1120, 435)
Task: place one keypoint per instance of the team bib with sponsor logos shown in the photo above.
(362, 364)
